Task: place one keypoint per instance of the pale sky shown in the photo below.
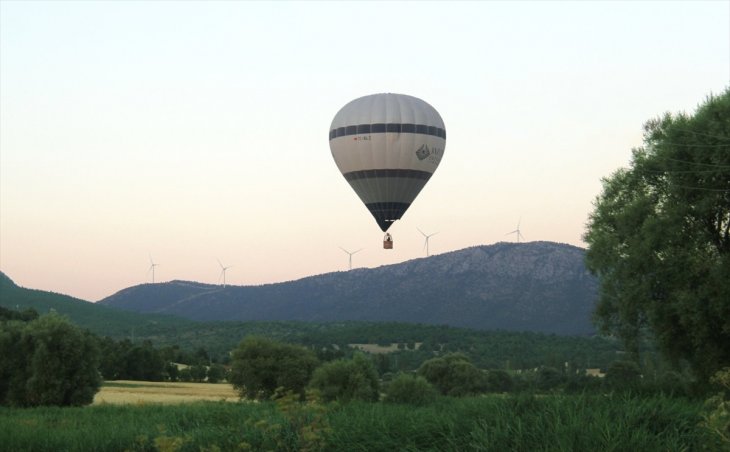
(197, 131)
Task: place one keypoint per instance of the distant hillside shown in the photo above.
(102, 320)
(537, 286)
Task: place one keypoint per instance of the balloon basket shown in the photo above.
(388, 244)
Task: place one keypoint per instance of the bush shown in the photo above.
(346, 380)
(717, 417)
(259, 366)
(410, 389)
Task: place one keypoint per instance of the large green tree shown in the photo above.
(347, 379)
(659, 239)
(47, 361)
(454, 375)
(259, 366)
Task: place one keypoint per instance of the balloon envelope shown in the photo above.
(387, 146)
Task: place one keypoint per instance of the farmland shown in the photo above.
(141, 392)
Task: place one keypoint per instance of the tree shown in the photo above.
(499, 380)
(659, 240)
(453, 374)
(259, 366)
(345, 380)
(216, 373)
(410, 389)
(623, 374)
(53, 363)
(548, 378)
(198, 372)
(144, 362)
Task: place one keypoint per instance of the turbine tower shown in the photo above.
(350, 254)
(425, 244)
(517, 231)
(152, 268)
(223, 272)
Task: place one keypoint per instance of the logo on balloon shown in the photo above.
(423, 152)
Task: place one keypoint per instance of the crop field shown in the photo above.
(141, 392)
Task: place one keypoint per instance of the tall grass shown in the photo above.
(523, 422)
(582, 422)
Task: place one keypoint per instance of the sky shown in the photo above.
(196, 132)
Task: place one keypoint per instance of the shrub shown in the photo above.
(717, 417)
(410, 389)
(346, 380)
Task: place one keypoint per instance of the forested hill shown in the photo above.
(536, 286)
(102, 320)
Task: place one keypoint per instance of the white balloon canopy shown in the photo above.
(387, 146)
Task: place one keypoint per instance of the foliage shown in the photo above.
(26, 315)
(303, 424)
(180, 340)
(198, 372)
(548, 378)
(124, 360)
(453, 374)
(717, 417)
(499, 380)
(47, 361)
(623, 374)
(185, 375)
(346, 380)
(259, 366)
(99, 319)
(410, 389)
(491, 423)
(659, 239)
(216, 373)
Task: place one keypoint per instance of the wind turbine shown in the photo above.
(517, 231)
(223, 272)
(350, 253)
(425, 245)
(152, 268)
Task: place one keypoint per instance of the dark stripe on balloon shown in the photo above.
(364, 129)
(373, 173)
(386, 213)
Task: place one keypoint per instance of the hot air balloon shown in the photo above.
(387, 147)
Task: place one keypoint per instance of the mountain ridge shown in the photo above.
(534, 286)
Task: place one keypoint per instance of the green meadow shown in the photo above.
(526, 422)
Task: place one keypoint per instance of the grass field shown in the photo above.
(486, 423)
(140, 392)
